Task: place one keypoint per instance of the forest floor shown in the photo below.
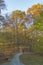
(31, 59)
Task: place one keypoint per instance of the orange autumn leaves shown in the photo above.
(34, 10)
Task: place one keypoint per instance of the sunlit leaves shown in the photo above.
(34, 10)
(39, 22)
(18, 14)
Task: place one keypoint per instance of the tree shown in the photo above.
(38, 26)
(17, 14)
(2, 5)
(39, 22)
(35, 10)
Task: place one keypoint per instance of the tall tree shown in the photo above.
(17, 14)
(16, 17)
(35, 10)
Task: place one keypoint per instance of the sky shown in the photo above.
(19, 4)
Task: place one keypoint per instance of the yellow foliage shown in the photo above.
(38, 40)
(17, 14)
(35, 9)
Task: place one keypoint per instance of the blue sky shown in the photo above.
(20, 4)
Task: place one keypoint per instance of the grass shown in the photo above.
(29, 59)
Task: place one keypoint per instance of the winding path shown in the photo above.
(15, 60)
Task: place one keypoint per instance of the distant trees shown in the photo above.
(23, 29)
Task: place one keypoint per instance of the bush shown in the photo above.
(37, 47)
